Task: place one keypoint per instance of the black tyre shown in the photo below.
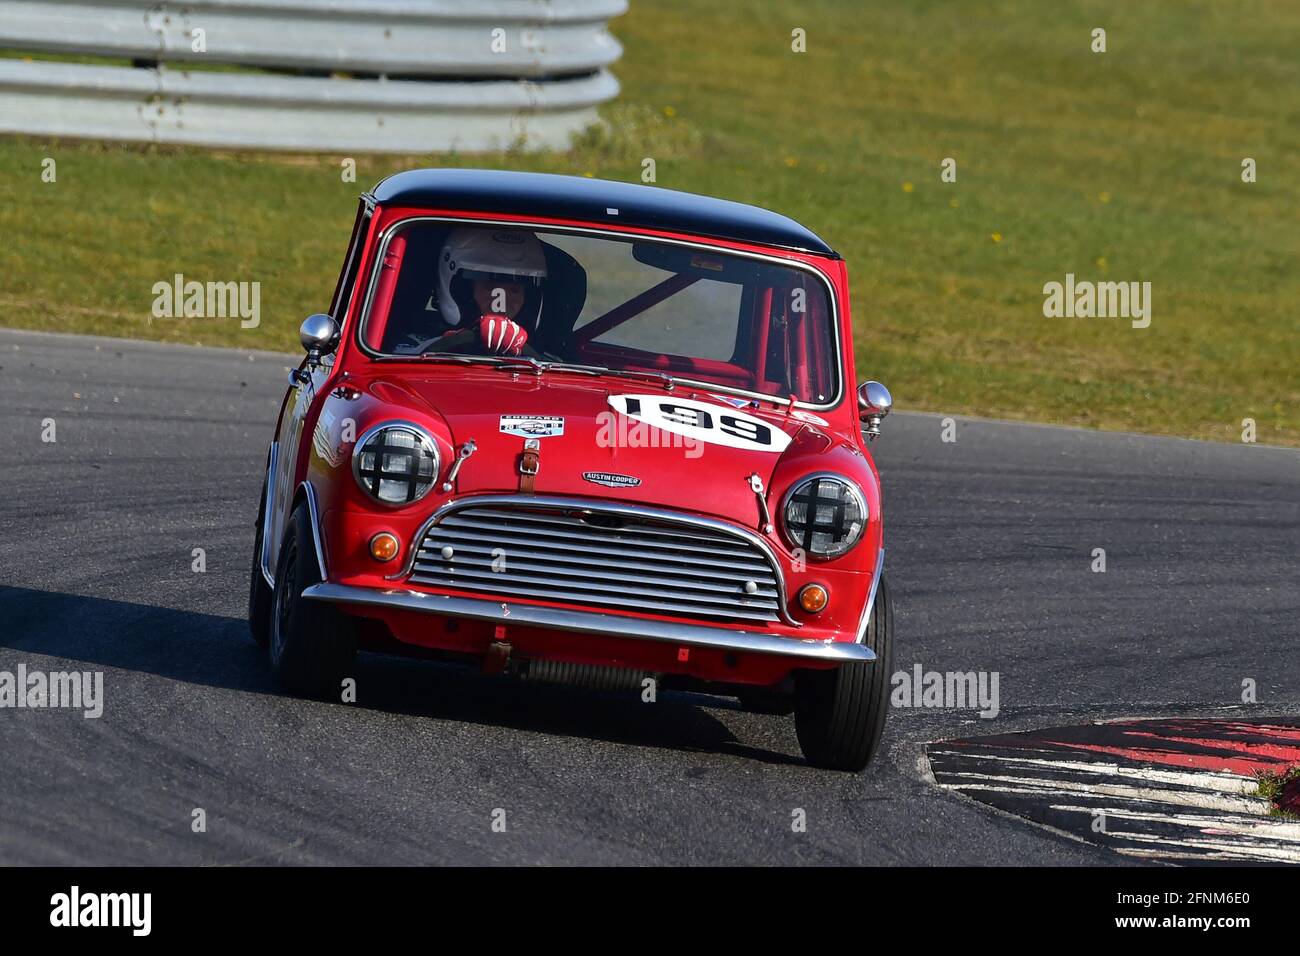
(312, 645)
(259, 592)
(840, 713)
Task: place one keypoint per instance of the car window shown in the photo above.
(699, 314)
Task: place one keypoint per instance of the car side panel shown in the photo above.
(296, 409)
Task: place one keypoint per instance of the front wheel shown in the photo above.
(840, 712)
(312, 645)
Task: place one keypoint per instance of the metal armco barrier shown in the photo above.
(400, 37)
(417, 75)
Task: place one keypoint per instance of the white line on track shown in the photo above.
(1202, 779)
(1155, 813)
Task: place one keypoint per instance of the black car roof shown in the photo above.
(591, 200)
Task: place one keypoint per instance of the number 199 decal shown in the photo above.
(702, 421)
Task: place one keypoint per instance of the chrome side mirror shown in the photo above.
(874, 403)
(319, 335)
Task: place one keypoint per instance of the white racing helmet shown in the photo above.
(484, 253)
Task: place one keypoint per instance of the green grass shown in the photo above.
(1121, 166)
(1270, 788)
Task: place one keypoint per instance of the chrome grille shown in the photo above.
(600, 556)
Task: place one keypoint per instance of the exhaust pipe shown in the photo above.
(589, 676)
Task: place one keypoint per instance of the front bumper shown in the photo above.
(590, 622)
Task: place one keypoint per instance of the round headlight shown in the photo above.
(825, 515)
(395, 463)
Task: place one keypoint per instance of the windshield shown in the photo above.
(630, 306)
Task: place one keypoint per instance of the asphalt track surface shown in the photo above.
(160, 449)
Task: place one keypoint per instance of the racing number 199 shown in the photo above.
(756, 432)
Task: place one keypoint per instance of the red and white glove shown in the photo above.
(501, 335)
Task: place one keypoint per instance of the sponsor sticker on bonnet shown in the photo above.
(532, 426)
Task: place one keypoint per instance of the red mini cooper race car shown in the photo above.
(587, 432)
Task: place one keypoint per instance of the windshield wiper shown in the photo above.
(522, 363)
(662, 377)
(519, 363)
(467, 359)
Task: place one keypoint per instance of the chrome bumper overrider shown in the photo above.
(589, 622)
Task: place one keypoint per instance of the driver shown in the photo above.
(490, 288)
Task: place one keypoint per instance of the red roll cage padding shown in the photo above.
(817, 319)
(778, 318)
(801, 346)
(619, 356)
(801, 329)
(377, 322)
(763, 330)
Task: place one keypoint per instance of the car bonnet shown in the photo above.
(604, 437)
